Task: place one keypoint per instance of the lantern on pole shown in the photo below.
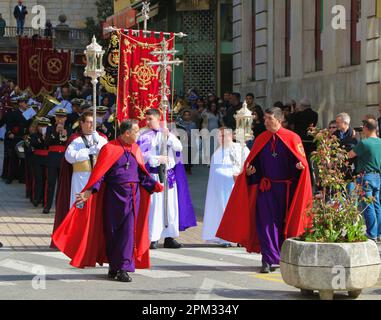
(244, 120)
(94, 69)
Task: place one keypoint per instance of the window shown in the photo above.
(355, 45)
(318, 30)
(288, 39)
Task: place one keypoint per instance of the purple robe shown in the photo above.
(122, 198)
(272, 204)
(187, 216)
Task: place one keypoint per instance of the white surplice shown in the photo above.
(77, 152)
(157, 228)
(226, 163)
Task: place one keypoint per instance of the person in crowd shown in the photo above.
(332, 127)
(347, 138)
(236, 105)
(39, 161)
(368, 167)
(57, 137)
(48, 32)
(211, 122)
(185, 122)
(250, 101)
(304, 120)
(20, 13)
(3, 25)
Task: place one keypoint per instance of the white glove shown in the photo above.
(95, 136)
(93, 150)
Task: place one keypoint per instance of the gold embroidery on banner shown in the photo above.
(54, 65)
(34, 62)
(144, 74)
(113, 58)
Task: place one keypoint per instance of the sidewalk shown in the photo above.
(24, 227)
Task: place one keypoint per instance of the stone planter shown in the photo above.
(330, 267)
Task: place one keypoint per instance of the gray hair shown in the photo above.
(305, 103)
(345, 117)
(276, 112)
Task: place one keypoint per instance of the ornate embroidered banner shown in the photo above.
(28, 64)
(55, 67)
(139, 83)
(110, 63)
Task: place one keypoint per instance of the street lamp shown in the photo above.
(94, 69)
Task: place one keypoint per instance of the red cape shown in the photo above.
(238, 224)
(64, 188)
(81, 237)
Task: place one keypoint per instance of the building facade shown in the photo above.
(289, 49)
(207, 51)
(75, 11)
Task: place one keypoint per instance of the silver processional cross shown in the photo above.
(164, 65)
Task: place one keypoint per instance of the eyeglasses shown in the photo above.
(333, 127)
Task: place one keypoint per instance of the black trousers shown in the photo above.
(39, 175)
(53, 174)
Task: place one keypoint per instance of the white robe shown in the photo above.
(225, 163)
(77, 152)
(157, 229)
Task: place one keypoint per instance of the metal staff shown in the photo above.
(164, 64)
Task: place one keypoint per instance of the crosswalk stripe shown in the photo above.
(236, 253)
(161, 274)
(151, 273)
(7, 284)
(196, 261)
(49, 272)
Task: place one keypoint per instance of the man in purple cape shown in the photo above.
(180, 214)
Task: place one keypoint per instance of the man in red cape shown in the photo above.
(271, 198)
(112, 225)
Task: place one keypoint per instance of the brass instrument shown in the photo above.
(48, 104)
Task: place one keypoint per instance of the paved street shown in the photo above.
(30, 270)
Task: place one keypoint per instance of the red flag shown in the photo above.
(28, 64)
(55, 67)
(138, 83)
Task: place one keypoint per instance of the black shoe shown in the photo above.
(266, 268)
(112, 274)
(171, 243)
(35, 203)
(239, 245)
(46, 211)
(123, 276)
(1, 245)
(153, 245)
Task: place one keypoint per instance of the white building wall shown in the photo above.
(339, 87)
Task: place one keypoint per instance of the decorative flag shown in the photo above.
(110, 63)
(55, 67)
(139, 83)
(28, 64)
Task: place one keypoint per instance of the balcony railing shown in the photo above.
(74, 34)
